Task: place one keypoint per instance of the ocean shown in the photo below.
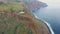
(50, 14)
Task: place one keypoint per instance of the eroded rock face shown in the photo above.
(11, 22)
(1, 3)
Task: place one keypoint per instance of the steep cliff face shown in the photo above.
(34, 4)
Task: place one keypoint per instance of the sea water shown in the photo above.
(50, 14)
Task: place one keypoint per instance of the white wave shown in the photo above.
(45, 23)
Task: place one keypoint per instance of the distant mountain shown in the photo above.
(34, 5)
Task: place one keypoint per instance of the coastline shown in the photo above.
(47, 24)
(40, 21)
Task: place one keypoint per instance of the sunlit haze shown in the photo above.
(52, 3)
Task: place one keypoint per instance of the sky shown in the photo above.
(51, 1)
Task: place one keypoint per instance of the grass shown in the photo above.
(11, 7)
(11, 23)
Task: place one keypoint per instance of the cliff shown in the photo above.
(11, 23)
(17, 19)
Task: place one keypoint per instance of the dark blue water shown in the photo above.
(50, 14)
